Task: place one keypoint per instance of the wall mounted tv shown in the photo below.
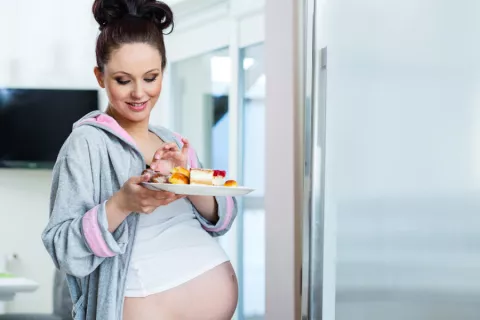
(34, 123)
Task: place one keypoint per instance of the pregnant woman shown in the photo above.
(129, 252)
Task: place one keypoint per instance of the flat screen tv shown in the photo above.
(34, 123)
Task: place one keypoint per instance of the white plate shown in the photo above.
(199, 190)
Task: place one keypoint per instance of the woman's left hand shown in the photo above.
(169, 156)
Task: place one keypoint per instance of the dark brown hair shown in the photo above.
(130, 21)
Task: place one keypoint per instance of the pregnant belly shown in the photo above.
(212, 295)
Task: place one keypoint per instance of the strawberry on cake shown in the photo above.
(219, 177)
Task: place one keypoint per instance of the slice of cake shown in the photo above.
(201, 176)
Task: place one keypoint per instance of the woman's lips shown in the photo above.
(137, 106)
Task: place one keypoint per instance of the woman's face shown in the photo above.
(132, 79)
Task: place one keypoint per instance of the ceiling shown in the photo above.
(185, 7)
(174, 2)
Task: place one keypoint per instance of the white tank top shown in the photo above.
(170, 248)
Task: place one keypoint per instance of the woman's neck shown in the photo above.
(137, 130)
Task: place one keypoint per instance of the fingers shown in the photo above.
(171, 199)
(155, 199)
(170, 146)
(163, 195)
(175, 155)
(185, 147)
(161, 158)
(159, 153)
(162, 166)
(171, 152)
(139, 179)
(151, 197)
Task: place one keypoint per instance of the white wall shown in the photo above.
(245, 8)
(24, 196)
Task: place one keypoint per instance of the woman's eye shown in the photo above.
(122, 82)
(151, 79)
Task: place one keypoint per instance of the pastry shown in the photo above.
(178, 178)
(181, 170)
(158, 178)
(231, 183)
(155, 177)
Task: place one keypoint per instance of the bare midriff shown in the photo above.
(212, 295)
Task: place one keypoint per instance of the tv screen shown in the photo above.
(34, 123)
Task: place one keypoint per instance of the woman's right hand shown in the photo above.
(133, 197)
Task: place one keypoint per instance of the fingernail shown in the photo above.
(153, 167)
(157, 156)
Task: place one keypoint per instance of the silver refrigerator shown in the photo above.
(392, 170)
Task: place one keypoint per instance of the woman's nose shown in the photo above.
(137, 92)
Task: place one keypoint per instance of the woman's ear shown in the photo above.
(99, 76)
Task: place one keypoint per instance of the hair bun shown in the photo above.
(109, 11)
(158, 12)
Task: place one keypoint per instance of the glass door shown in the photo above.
(200, 97)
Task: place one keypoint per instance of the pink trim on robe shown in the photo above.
(91, 229)
(112, 124)
(192, 157)
(228, 217)
(93, 234)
